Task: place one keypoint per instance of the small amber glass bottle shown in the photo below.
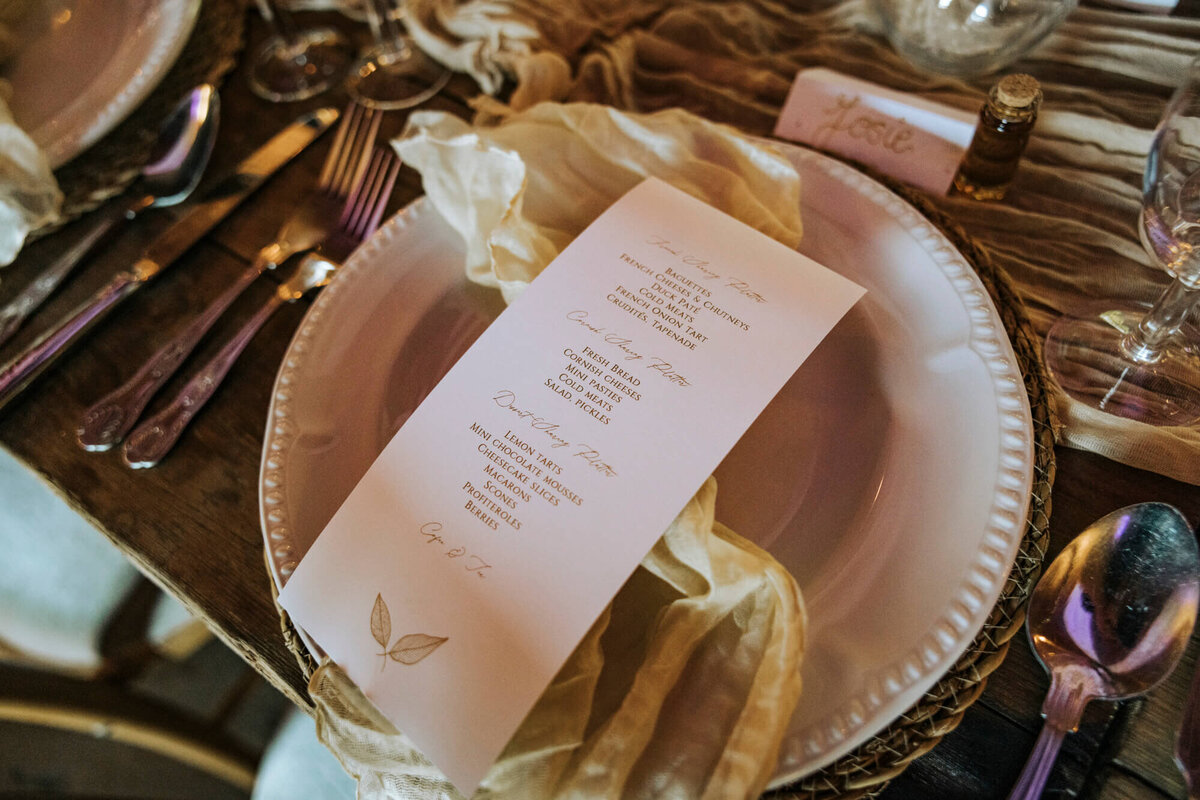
(1005, 123)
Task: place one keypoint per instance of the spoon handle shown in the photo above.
(1187, 740)
(101, 228)
(1037, 769)
(153, 438)
(111, 417)
(1070, 690)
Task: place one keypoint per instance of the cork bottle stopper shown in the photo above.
(1019, 91)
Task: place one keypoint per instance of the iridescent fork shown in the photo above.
(155, 436)
(112, 416)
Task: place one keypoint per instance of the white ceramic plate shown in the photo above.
(891, 475)
(84, 65)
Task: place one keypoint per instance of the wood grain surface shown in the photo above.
(192, 523)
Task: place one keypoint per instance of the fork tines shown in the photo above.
(367, 203)
(348, 155)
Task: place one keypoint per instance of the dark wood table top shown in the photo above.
(192, 523)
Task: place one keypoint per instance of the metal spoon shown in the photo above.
(1187, 741)
(180, 153)
(1110, 619)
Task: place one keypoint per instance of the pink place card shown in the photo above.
(511, 506)
(912, 139)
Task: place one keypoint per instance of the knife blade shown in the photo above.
(170, 245)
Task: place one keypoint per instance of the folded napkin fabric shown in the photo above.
(520, 191)
(29, 194)
(683, 688)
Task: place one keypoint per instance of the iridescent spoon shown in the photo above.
(176, 163)
(1110, 619)
(1187, 741)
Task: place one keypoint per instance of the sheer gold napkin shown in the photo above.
(520, 191)
(1066, 232)
(685, 686)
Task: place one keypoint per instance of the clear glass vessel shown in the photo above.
(1140, 360)
(393, 73)
(295, 64)
(968, 37)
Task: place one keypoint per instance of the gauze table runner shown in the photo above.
(1067, 231)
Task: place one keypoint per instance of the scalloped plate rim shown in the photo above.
(897, 685)
(91, 118)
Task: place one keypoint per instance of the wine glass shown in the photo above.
(968, 37)
(1142, 361)
(296, 64)
(393, 73)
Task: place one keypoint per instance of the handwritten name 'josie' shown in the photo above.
(871, 127)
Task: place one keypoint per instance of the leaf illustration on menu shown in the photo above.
(414, 647)
(381, 622)
(408, 649)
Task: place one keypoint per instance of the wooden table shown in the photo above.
(192, 523)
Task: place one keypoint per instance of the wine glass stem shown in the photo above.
(384, 21)
(280, 21)
(1145, 343)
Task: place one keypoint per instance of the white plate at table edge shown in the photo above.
(882, 691)
(126, 82)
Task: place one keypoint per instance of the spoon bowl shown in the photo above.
(182, 149)
(177, 160)
(1110, 619)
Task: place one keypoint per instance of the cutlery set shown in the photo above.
(107, 422)
(1109, 619)
(154, 437)
(344, 208)
(168, 178)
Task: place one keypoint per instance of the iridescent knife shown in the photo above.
(174, 242)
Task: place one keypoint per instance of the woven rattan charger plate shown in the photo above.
(865, 771)
(106, 168)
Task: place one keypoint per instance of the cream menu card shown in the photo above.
(508, 510)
